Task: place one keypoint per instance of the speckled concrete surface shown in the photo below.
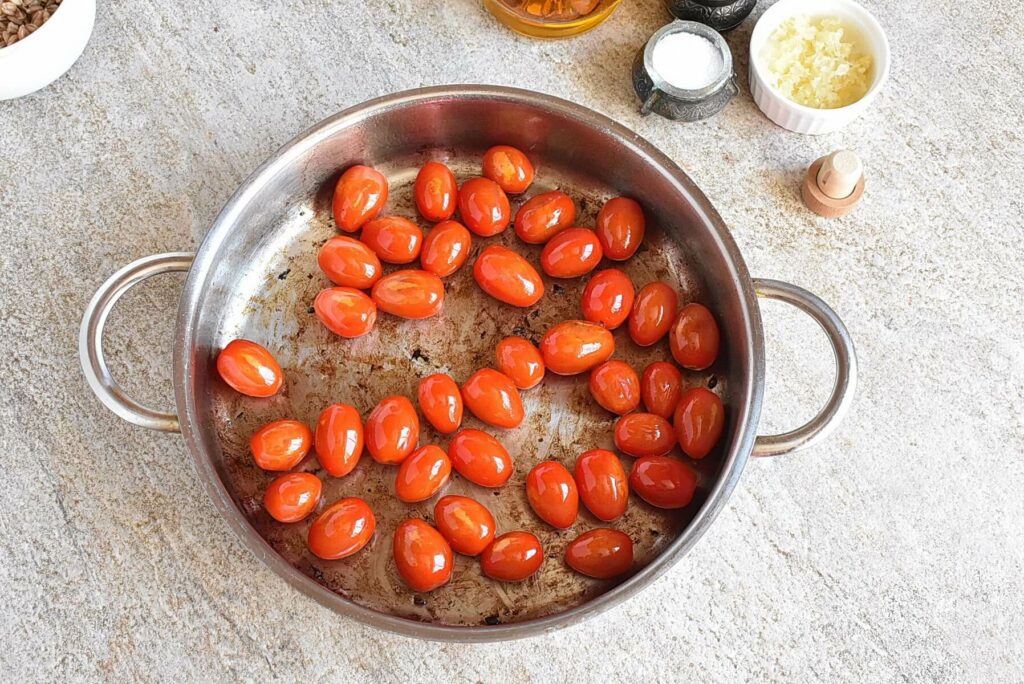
(893, 552)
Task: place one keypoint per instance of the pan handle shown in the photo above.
(822, 425)
(90, 339)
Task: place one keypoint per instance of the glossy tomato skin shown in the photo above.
(392, 430)
(573, 347)
(292, 496)
(281, 445)
(571, 253)
(493, 398)
(694, 338)
(435, 192)
(446, 248)
(484, 207)
(441, 402)
(423, 557)
(508, 167)
(466, 524)
(663, 482)
(543, 216)
(551, 491)
(508, 277)
(248, 368)
(699, 422)
(661, 386)
(349, 263)
(409, 293)
(644, 434)
(480, 458)
(512, 557)
(359, 196)
(342, 529)
(608, 298)
(339, 439)
(653, 312)
(520, 361)
(393, 239)
(345, 311)
(603, 553)
(620, 228)
(615, 386)
(602, 484)
(422, 474)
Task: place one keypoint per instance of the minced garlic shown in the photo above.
(817, 62)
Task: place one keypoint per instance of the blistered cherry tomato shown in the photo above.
(608, 298)
(552, 494)
(466, 524)
(615, 386)
(339, 439)
(484, 207)
(445, 248)
(694, 337)
(480, 458)
(663, 481)
(250, 369)
(435, 191)
(602, 553)
(660, 387)
(422, 555)
(349, 263)
(644, 434)
(571, 253)
(343, 529)
(509, 168)
(512, 557)
(543, 216)
(620, 228)
(392, 430)
(409, 294)
(441, 402)
(345, 311)
(393, 239)
(292, 496)
(699, 422)
(359, 195)
(493, 398)
(508, 277)
(281, 445)
(652, 314)
(572, 347)
(422, 474)
(602, 484)
(520, 361)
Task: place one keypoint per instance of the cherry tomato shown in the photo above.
(339, 439)
(422, 474)
(441, 402)
(493, 398)
(602, 553)
(484, 207)
(345, 311)
(281, 445)
(644, 434)
(608, 298)
(660, 387)
(466, 524)
(359, 195)
(571, 253)
(249, 369)
(694, 337)
(292, 496)
(435, 191)
(409, 294)
(652, 314)
(512, 557)
(552, 494)
(663, 481)
(343, 529)
(520, 361)
(509, 168)
(572, 347)
(602, 483)
(508, 277)
(349, 263)
(615, 387)
(699, 422)
(480, 458)
(393, 239)
(543, 216)
(392, 430)
(620, 228)
(422, 555)
(445, 248)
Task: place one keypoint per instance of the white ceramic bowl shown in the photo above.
(797, 117)
(41, 58)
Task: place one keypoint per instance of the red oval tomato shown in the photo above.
(493, 398)
(339, 439)
(250, 369)
(620, 228)
(392, 430)
(663, 481)
(435, 191)
(409, 294)
(445, 248)
(422, 474)
(484, 207)
(552, 494)
(441, 402)
(422, 555)
(699, 422)
(292, 496)
(571, 253)
(615, 386)
(359, 195)
(543, 216)
(602, 484)
(344, 528)
(509, 168)
(512, 557)
(520, 361)
(281, 444)
(608, 298)
(652, 314)
(572, 347)
(694, 337)
(345, 311)
(508, 277)
(660, 387)
(480, 458)
(466, 524)
(349, 263)
(602, 553)
(393, 239)
(644, 434)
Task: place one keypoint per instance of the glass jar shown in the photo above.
(551, 18)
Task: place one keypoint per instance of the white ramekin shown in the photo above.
(41, 58)
(797, 117)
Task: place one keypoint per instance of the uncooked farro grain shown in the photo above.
(20, 18)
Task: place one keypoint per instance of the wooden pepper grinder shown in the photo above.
(834, 184)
